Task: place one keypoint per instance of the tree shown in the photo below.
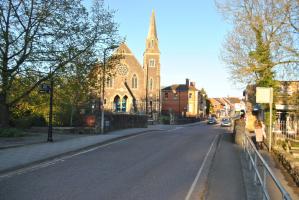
(40, 38)
(262, 44)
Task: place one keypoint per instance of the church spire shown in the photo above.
(152, 33)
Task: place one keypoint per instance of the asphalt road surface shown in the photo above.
(164, 165)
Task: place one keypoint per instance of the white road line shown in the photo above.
(199, 171)
(176, 128)
(54, 161)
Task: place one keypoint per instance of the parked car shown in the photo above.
(226, 122)
(212, 120)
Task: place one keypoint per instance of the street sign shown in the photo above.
(264, 95)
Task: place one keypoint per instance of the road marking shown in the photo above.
(62, 159)
(176, 128)
(199, 171)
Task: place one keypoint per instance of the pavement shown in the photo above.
(16, 153)
(225, 175)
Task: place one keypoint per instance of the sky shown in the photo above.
(190, 33)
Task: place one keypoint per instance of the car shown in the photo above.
(226, 122)
(212, 120)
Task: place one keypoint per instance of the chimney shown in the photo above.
(187, 82)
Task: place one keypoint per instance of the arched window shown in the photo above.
(134, 81)
(109, 82)
(151, 84)
(116, 103)
(124, 104)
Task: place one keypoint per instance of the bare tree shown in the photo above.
(40, 37)
(264, 41)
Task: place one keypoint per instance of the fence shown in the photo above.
(261, 170)
(285, 130)
(114, 121)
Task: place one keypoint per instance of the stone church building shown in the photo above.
(135, 87)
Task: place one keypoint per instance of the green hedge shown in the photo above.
(11, 132)
(29, 121)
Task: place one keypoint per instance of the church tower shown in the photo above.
(151, 65)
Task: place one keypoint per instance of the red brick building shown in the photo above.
(181, 99)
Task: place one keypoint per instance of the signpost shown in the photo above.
(265, 95)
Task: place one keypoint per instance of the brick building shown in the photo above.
(181, 99)
(133, 86)
(226, 106)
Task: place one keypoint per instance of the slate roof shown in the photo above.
(179, 88)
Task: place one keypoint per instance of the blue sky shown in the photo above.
(190, 34)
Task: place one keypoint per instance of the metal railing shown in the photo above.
(261, 170)
(286, 129)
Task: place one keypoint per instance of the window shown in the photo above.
(134, 81)
(124, 104)
(175, 96)
(166, 95)
(190, 95)
(152, 62)
(152, 44)
(190, 108)
(151, 84)
(116, 103)
(109, 82)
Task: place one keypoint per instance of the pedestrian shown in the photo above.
(258, 130)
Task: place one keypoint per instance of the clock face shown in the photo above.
(122, 70)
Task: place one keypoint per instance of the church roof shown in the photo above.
(124, 50)
(152, 33)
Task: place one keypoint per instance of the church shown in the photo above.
(135, 88)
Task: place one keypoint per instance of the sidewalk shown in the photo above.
(226, 177)
(30, 151)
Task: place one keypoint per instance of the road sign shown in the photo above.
(264, 95)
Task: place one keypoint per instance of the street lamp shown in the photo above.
(50, 129)
(103, 85)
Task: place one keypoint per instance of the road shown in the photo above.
(183, 163)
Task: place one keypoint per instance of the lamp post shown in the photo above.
(103, 86)
(204, 106)
(50, 128)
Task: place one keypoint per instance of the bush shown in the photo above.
(11, 132)
(29, 121)
(165, 119)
